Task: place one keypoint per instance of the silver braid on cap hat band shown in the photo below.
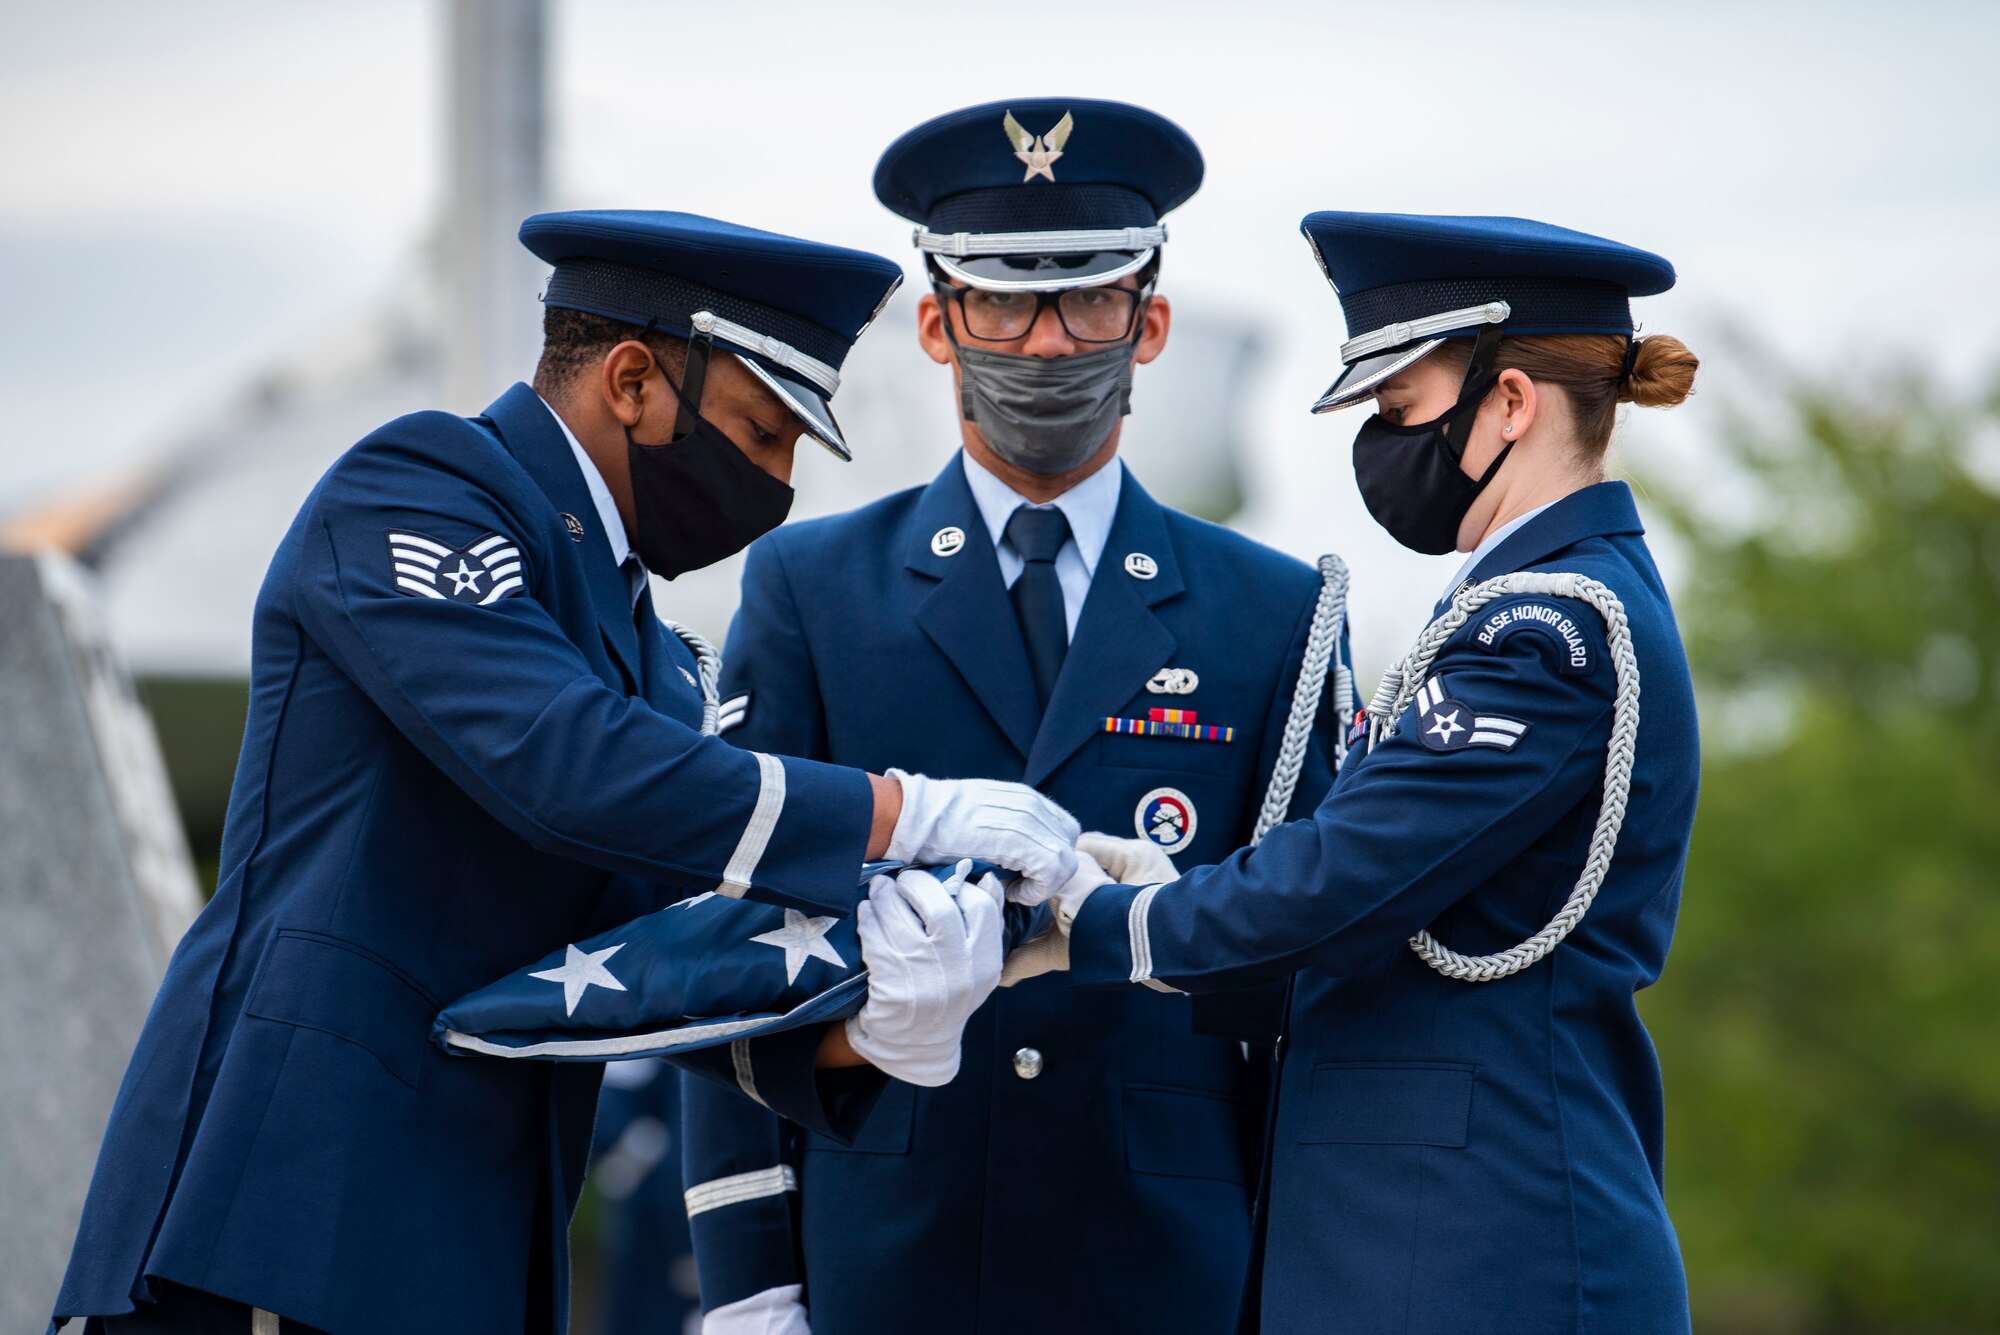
(774, 350)
(1407, 331)
(708, 666)
(1322, 650)
(966, 245)
(1399, 687)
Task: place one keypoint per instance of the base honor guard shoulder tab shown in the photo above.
(1570, 642)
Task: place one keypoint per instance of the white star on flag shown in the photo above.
(581, 969)
(799, 937)
(690, 902)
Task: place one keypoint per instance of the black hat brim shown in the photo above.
(1359, 379)
(807, 404)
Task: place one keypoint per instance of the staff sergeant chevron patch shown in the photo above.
(484, 572)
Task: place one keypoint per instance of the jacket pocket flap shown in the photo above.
(319, 983)
(1388, 1103)
(1184, 1133)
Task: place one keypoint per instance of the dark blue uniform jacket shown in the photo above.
(1107, 1188)
(1453, 1156)
(453, 765)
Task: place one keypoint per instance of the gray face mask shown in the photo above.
(1046, 415)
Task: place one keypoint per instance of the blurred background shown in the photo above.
(236, 236)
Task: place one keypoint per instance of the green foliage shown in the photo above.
(1830, 1019)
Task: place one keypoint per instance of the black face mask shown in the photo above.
(1409, 475)
(699, 498)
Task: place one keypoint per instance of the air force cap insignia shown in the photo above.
(1445, 724)
(483, 572)
(1038, 152)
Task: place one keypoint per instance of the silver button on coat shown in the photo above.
(1028, 1063)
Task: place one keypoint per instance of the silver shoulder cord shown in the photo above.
(708, 666)
(1399, 686)
(1322, 646)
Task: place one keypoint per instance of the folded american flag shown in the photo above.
(706, 971)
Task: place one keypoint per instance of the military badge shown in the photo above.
(484, 572)
(1444, 724)
(1357, 729)
(1158, 727)
(1166, 816)
(1038, 152)
(1549, 620)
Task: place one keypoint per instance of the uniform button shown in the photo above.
(1028, 1063)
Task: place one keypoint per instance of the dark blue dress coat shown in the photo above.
(1102, 1119)
(1451, 1156)
(461, 754)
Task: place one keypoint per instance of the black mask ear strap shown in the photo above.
(1479, 381)
(943, 291)
(689, 388)
(687, 393)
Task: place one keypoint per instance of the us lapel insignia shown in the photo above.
(1141, 566)
(947, 541)
(574, 525)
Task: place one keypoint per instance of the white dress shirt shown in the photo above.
(607, 509)
(1089, 506)
(1492, 540)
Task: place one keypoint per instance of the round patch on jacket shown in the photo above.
(1166, 816)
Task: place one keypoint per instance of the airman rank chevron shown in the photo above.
(1193, 732)
(483, 572)
(1446, 725)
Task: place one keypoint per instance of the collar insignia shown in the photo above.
(1038, 152)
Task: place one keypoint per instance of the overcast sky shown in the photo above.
(186, 189)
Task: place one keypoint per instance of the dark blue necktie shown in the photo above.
(1037, 535)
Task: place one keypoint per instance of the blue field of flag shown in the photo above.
(706, 971)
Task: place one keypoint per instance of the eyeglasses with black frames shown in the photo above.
(1088, 314)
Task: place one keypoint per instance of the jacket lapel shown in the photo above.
(966, 612)
(1120, 641)
(528, 429)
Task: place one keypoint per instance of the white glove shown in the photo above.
(933, 957)
(1049, 952)
(1007, 823)
(1130, 861)
(773, 1312)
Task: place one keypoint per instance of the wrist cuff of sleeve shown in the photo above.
(1100, 942)
(746, 1249)
(833, 1102)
